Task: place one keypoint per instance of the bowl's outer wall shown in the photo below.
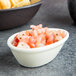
(72, 9)
(36, 59)
(14, 18)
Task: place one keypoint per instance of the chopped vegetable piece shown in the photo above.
(37, 37)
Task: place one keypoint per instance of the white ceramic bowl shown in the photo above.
(35, 57)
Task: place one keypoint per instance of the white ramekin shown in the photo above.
(35, 57)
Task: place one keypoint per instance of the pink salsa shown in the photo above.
(37, 37)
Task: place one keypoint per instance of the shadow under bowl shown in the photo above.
(10, 18)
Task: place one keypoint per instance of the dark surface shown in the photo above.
(10, 18)
(53, 13)
(72, 9)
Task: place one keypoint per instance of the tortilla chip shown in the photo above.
(22, 3)
(5, 4)
(14, 2)
(34, 1)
